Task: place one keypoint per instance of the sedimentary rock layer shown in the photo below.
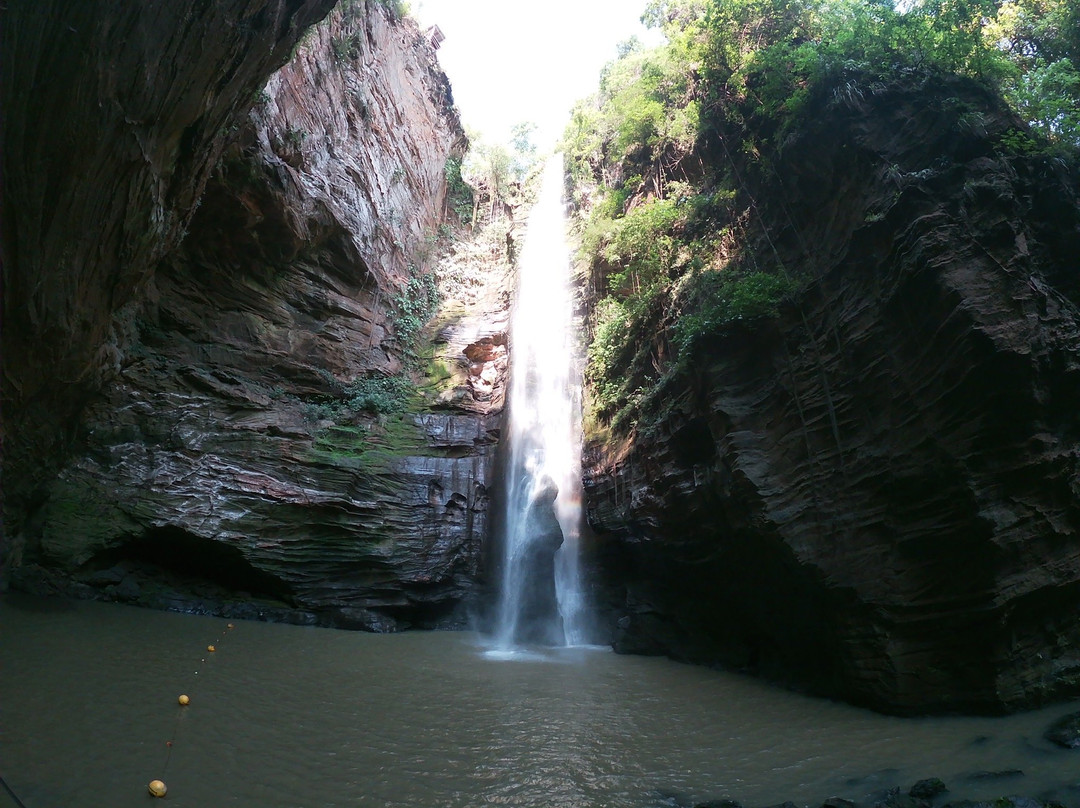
(259, 420)
(113, 121)
(876, 496)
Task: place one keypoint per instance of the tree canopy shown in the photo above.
(744, 74)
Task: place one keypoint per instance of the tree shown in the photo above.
(524, 157)
(1041, 39)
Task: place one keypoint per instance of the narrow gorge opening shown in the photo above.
(540, 599)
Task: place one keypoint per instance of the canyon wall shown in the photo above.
(112, 125)
(280, 435)
(875, 496)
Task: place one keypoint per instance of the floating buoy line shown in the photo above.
(157, 787)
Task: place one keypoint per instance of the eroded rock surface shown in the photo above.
(1065, 731)
(260, 404)
(113, 121)
(877, 495)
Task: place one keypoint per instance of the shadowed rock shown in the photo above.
(538, 620)
(1065, 731)
(231, 410)
(884, 478)
(114, 120)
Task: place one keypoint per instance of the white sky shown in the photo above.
(521, 60)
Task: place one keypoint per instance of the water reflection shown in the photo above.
(287, 717)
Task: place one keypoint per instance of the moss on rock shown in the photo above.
(80, 521)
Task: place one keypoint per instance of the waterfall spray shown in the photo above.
(540, 598)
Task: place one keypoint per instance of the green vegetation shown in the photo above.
(379, 393)
(415, 304)
(79, 521)
(768, 60)
(374, 393)
(342, 440)
(660, 158)
(375, 447)
(347, 47)
(500, 176)
(398, 8)
(295, 137)
(373, 422)
(459, 194)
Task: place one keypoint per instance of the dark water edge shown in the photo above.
(135, 583)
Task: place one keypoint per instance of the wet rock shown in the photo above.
(128, 590)
(894, 799)
(838, 802)
(719, 804)
(1020, 802)
(364, 620)
(642, 632)
(1065, 731)
(1000, 774)
(113, 575)
(538, 619)
(927, 789)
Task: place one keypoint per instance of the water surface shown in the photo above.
(293, 717)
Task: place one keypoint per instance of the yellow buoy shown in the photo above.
(157, 788)
(184, 700)
(210, 648)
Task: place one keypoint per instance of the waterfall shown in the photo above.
(540, 598)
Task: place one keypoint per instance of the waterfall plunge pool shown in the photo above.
(295, 717)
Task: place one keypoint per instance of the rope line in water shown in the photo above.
(168, 744)
(179, 715)
(11, 793)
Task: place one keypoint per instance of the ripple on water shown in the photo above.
(287, 717)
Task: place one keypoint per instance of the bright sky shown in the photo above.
(511, 61)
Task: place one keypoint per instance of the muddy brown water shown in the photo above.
(293, 717)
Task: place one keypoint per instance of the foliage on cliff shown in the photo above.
(669, 157)
(500, 176)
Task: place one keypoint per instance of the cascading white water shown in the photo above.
(544, 440)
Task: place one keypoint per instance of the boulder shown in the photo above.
(1065, 731)
(927, 789)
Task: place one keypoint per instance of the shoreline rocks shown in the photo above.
(1065, 731)
(928, 793)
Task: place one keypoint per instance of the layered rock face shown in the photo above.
(261, 434)
(113, 120)
(876, 497)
